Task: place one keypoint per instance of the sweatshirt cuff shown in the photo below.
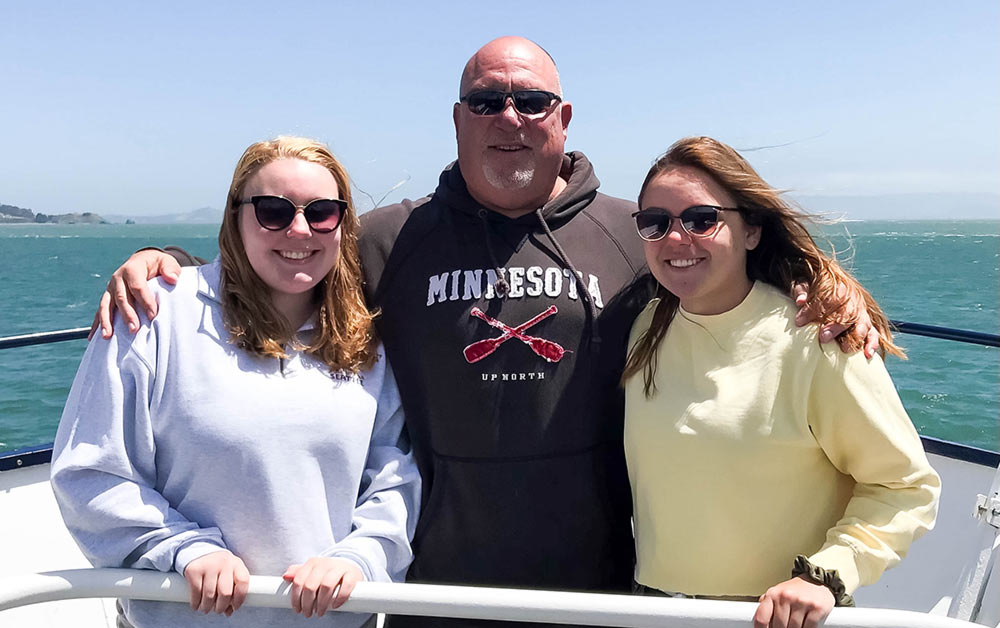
(192, 551)
(842, 559)
(823, 577)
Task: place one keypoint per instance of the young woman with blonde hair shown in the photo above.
(254, 426)
(764, 466)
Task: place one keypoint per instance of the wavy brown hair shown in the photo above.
(785, 255)
(345, 338)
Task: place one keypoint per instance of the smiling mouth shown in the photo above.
(509, 147)
(684, 263)
(297, 255)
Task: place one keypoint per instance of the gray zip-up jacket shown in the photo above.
(175, 444)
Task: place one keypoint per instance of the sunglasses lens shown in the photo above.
(486, 103)
(492, 102)
(700, 220)
(531, 103)
(273, 213)
(652, 226)
(323, 215)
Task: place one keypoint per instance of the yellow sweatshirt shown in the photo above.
(759, 444)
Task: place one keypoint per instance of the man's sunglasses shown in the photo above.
(528, 102)
(699, 221)
(275, 213)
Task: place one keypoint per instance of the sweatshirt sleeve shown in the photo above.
(104, 463)
(385, 515)
(861, 425)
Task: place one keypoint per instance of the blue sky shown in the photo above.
(143, 108)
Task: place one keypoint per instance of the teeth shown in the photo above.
(508, 147)
(295, 254)
(682, 263)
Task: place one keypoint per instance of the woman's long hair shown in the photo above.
(345, 336)
(785, 255)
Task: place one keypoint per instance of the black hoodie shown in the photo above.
(516, 423)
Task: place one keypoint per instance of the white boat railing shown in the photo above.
(558, 607)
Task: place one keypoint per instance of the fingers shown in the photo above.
(872, 342)
(241, 580)
(327, 592)
(867, 335)
(813, 618)
(800, 293)
(167, 267)
(105, 312)
(829, 332)
(298, 582)
(310, 588)
(194, 587)
(95, 325)
(218, 582)
(313, 586)
(137, 284)
(345, 589)
(796, 616)
(809, 311)
(321, 584)
(795, 603)
(120, 299)
(223, 591)
(209, 586)
(762, 618)
(130, 284)
(782, 611)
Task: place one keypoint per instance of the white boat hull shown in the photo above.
(934, 578)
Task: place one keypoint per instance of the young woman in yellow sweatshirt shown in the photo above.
(764, 465)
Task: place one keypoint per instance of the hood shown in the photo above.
(581, 187)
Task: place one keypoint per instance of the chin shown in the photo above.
(506, 179)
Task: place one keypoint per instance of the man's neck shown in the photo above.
(512, 212)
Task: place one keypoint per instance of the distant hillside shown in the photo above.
(200, 216)
(12, 214)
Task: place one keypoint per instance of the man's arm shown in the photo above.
(128, 287)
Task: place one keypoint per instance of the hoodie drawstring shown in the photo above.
(501, 287)
(595, 336)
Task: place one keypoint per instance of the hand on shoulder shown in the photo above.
(128, 289)
(853, 329)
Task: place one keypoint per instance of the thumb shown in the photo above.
(170, 270)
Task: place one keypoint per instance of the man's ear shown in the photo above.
(455, 112)
(566, 112)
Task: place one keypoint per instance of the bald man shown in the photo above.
(497, 316)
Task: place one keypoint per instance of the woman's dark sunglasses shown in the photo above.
(528, 102)
(700, 221)
(275, 213)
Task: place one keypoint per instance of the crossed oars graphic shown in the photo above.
(546, 349)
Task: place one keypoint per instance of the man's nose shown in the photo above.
(509, 114)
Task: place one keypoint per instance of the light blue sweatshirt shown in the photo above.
(175, 444)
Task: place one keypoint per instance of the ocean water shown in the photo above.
(939, 273)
